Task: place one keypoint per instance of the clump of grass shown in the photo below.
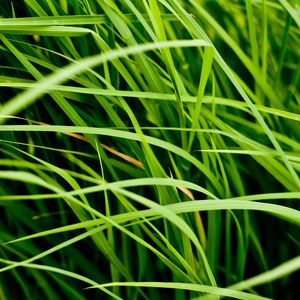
(149, 149)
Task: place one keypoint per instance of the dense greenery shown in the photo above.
(149, 149)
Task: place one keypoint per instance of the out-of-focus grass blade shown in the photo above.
(24, 99)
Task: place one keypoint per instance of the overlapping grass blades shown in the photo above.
(149, 149)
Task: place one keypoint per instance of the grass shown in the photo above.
(149, 149)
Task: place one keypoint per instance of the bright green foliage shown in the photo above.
(149, 149)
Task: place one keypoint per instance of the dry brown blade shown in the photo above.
(124, 156)
(111, 150)
(187, 192)
(24, 119)
(82, 138)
